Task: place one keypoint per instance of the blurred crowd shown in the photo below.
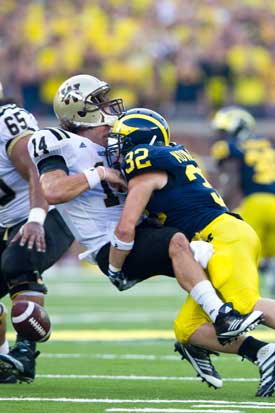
(184, 57)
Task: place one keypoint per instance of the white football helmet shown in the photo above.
(81, 102)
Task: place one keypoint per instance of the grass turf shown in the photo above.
(97, 368)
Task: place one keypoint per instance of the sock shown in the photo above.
(4, 348)
(250, 347)
(29, 343)
(205, 295)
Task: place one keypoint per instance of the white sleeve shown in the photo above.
(16, 122)
(46, 143)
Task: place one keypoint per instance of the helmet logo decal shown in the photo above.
(70, 92)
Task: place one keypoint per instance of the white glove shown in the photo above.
(202, 251)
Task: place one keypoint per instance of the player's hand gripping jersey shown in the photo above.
(188, 202)
(15, 123)
(93, 215)
(257, 162)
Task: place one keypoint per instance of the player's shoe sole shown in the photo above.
(7, 379)
(9, 366)
(199, 358)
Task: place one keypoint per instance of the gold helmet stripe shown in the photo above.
(118, 125)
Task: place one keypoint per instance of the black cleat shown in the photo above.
(266, 362)
(19, 362)
(230, 324)
(121, 282)
(199, 358)
(7, 379)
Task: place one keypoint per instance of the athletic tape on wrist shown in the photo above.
(121, 245)
(92, 177)
(37, 215)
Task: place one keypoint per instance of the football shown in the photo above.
(31, 320)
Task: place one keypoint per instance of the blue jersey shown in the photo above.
(257, 162)
(187, 202)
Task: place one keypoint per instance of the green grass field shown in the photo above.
(113, 352)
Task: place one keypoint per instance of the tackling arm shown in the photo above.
(140, 189)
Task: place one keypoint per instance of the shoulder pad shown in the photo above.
(47, 142)
(16, 122)
(137, 160)
(220, 150)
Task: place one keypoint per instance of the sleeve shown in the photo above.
(137, 161)
(220, 151)
(15, 123)
(224, 150)
(47, 148)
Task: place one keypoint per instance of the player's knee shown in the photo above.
(19, 273)
(179, 244)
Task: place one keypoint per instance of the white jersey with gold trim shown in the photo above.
(15, 123)
(93, 215)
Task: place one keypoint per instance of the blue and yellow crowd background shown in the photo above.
(184, 57)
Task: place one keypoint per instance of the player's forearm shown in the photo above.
(63, 189)
(59, 187)
(37, 198)
(122, 243)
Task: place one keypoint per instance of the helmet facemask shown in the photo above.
(97, 101)
(113, 151)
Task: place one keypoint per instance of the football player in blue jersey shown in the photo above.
(166, 181)
(246, 164)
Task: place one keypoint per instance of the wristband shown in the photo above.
(113, 268)
(121, 245)
(92, 177)
(37, 215)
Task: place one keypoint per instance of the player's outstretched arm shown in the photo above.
(58, 187)
(32, 233)
(140, 189)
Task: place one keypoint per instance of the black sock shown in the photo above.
(250, 347)
(31, 344)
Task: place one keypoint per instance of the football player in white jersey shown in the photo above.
(30, 239)
(74, 175)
